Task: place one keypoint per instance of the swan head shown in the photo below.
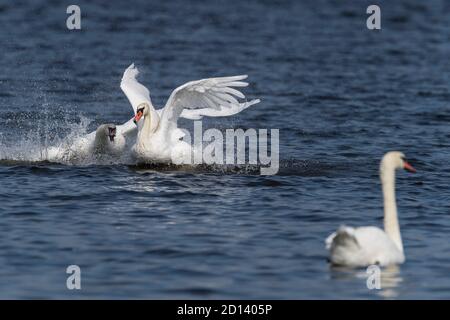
(142, 110)
(394, 160)
(107, 130)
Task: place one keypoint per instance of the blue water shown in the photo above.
(340, 94)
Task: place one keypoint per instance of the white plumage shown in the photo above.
(159, 137)
(359, 247)
(362, 246)
(107, 140)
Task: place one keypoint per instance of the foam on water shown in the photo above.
(53, 134)
(39, 135)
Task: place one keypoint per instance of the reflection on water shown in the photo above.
(390, 279)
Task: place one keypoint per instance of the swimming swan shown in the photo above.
(360, 247)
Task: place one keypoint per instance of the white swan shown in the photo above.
(106, 140)
(109, 139)
(359, 247)
(158, 138)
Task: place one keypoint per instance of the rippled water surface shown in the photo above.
(340, 94)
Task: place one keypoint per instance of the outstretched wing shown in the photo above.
(207, 97)
(197, 114)
(135, 92)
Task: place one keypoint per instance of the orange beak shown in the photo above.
(408, 167)
(138, 116)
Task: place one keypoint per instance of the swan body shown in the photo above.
(107, 140)
(159, 138)
(360, 247)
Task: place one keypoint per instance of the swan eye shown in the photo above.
(141, 110)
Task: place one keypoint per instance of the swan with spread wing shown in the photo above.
(159, 138)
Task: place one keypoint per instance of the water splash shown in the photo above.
(33, 137)
(51, 134)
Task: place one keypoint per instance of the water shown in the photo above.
(340, 94)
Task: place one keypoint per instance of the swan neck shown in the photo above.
(100, 141)
(148, 127)
(391, 225)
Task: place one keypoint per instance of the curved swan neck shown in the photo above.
(147, 126)
(391, 225)
(150, 124)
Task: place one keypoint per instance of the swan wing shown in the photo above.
(376, 242)
(197, 114)
(344, 247)
(135, 91)
(344, 236)
(207, 97)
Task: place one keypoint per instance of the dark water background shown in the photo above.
(340, 94)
